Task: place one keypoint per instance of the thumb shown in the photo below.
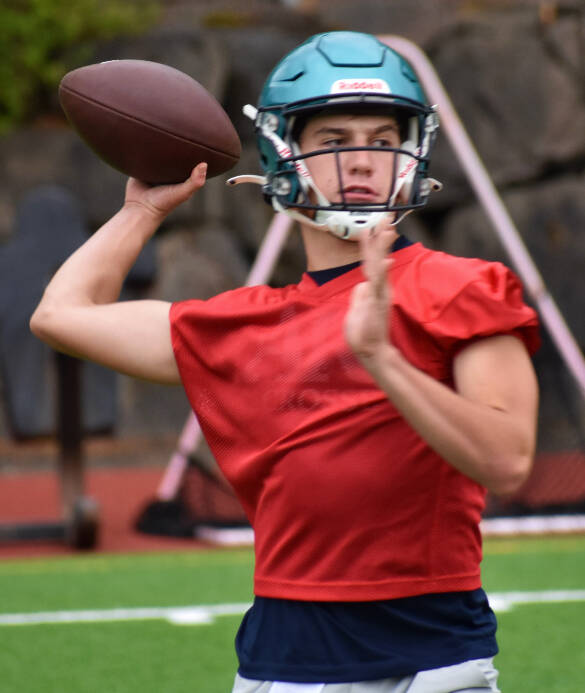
(178, 193)
(196, 179)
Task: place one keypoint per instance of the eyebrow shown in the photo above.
(330, 130)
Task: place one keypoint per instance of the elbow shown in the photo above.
(40, 323)
(508, 477)
(37, 322)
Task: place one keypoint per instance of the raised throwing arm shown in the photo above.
(79, 312)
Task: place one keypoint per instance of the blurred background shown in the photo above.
(515, 71)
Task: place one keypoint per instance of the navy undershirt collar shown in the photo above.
(323, 276)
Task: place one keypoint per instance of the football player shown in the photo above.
(361, 414)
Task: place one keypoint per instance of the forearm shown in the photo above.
(485, 426)
(95, 273)
(80, 313)
(492, 445)
(92, 277)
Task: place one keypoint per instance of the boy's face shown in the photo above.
(366, 176)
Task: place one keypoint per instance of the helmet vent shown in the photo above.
(294, 77)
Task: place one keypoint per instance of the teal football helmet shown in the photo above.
(346, 72)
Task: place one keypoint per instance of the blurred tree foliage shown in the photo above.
(41, 40)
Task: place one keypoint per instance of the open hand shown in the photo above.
(367, 319)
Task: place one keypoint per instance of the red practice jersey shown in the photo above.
(347, 502)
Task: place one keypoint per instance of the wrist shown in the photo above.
(139, 219)
(142, 211)
(379, 360)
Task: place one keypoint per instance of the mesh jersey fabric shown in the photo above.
(300, 641)
(347, 502)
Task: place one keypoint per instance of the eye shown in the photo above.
(331, 142)
(383, 142)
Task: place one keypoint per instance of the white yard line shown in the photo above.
(532, 525)
(180, 615)
(504, 601)
(204, 614)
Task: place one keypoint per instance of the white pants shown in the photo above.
(469, 677)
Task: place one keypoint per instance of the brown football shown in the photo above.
(148, 120)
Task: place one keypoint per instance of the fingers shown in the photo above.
(159, 200)
(384, 234)
(198, 175)
(375, 245)
(181, 192)
(195, 181)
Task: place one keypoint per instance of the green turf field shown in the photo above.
(132, 651)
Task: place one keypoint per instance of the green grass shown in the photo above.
(166, 579)
(534, 564)
(542, 648)
(123, 657)
(541, 645)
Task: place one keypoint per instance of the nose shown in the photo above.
(359, 161)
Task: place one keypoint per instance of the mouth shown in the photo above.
(355, 194)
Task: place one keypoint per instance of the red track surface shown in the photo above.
(121, 493)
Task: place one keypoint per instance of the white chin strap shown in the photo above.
(346, 225)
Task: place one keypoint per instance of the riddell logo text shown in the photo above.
(379, 86)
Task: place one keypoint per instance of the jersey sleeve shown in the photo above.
(201, 334)
(490, 303)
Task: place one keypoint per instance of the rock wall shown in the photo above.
(513, 69)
